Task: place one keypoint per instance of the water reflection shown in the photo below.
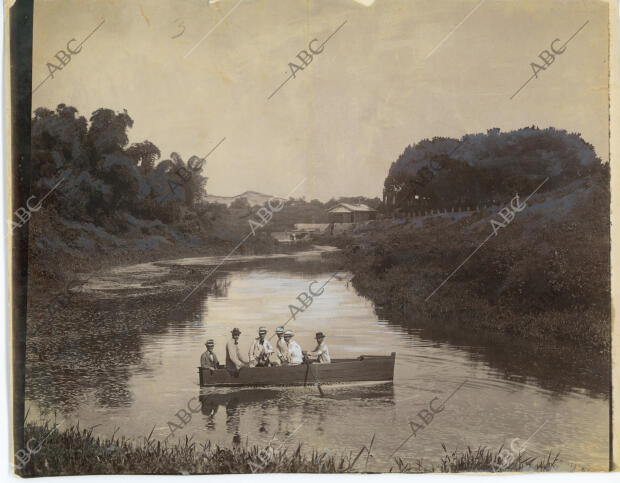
(96, 344)
(557, 368)
(234, 404)
(273, 407)
(126, 350)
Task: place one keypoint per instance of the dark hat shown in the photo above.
(320, 335)
(235, 331)
(210, 342)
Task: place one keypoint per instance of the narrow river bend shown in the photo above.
(511, 389)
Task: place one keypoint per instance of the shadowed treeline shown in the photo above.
(108, 182)
(482, 169)
(540, 272)
(104, 197)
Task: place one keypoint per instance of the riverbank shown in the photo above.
(61, 251)
(78, 451)
(543, 276)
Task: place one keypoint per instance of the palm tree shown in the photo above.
(144, 154)
(184, 176)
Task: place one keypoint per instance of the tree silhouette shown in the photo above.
(107, 133)
(485, 167)
(103, 179)
(144, 154)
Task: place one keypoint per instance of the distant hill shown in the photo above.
(253, 197)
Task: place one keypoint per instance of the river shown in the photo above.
(505, 389)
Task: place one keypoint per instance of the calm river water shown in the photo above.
(511, 389)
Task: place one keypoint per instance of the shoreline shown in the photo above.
(87, 264)
(545, 277)
(76, 451)
(393, 301)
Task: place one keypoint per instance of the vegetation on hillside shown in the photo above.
(544, 274)
(105, 180)
(125, 202)
(486, 168)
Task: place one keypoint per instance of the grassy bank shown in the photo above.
(544, 276)
(75, 451)
(58, 249)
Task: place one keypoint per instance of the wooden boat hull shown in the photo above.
(365, 368)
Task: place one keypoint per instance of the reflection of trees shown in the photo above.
(552, 367)
(93, 344)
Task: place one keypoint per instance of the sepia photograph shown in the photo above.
(309, 236)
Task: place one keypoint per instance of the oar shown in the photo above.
(307, 369)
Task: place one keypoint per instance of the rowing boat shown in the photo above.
(362, 369)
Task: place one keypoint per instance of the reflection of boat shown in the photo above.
(364, 368)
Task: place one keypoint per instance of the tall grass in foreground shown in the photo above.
(75, 451)
(481, 459)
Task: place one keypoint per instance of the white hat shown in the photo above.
(289, 332)
(262, 330)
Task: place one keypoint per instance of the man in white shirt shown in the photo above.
(234, 361)
(294, 354)
(321, 352)
(281, 346)
(261, 350)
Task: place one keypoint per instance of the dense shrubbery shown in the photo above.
(128, 191)
(545, 275)
(482, 168)
(104, 178)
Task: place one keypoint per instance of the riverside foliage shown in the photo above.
(78, 451)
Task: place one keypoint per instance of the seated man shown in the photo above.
(281, 346)
(234, 361)
(261, 350)
(294, 354)
(320, 353)
(208, 360)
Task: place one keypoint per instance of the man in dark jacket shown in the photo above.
(208, 360)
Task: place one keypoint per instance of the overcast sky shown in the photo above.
(342, 120)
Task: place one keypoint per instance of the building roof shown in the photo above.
(310, 226)
(348, 208)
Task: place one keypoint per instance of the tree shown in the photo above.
(240, 204)
(57, 141)
(107, 133)
(104, 179)
(144, 154)
(488, 166)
